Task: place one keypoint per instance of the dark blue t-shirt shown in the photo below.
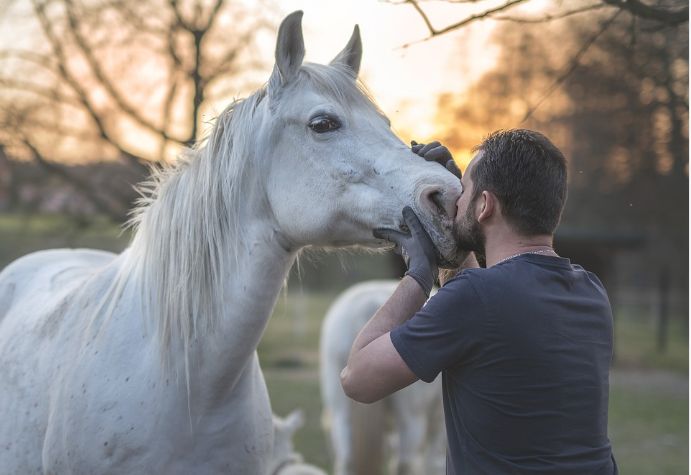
(524, 348)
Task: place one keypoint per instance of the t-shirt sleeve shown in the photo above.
(445, 332)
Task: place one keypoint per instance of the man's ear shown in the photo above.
(488, 206)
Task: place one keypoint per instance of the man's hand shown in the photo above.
(436, 152)
(416, 248)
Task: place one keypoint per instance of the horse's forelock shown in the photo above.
(336, 81)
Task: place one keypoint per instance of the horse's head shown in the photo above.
(337, 171)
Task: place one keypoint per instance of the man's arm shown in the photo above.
(375, 369)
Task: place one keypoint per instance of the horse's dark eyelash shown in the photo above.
(324, 117)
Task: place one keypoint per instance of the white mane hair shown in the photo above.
(188, 232)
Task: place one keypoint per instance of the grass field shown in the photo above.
(648, 400)
(20, 235)
(649, 392)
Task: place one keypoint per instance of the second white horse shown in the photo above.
(359, 432)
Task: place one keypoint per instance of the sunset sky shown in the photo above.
(405, 81)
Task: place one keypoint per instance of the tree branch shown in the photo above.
(166, 114)
(171, 49)
(197, 85)
(81, 185)
(56, 47)
(63, 131)
(479, 16)
(549, 17)
(132, 19)
(178, 16)
(42, 60)
(222, 65)
(664, 15)
(38, 90)
(213, 15)
(104, 81)
(573, 64)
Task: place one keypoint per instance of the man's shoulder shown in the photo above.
(524, 276)
(465, 278)
(477, 277)
(466, 287)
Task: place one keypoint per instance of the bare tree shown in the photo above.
(127, 80)
(669, 13)
(664, 14)
(621, 118)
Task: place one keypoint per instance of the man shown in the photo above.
(524, 345)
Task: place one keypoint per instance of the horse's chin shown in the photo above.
(449, 255)
(452, 261)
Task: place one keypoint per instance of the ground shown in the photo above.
(649, 391)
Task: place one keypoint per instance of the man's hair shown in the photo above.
(527, 173)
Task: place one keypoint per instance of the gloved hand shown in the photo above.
(436, 152)
(416, 248)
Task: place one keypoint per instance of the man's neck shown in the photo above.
(503, 246)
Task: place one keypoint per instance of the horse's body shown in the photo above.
(100, 405)
(359, 432)
(145, 362)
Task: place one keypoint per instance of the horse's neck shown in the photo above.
(210, 270)
(248, 300)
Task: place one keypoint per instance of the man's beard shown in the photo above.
(469, 236)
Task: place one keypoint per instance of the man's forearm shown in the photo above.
(374, 368)
(406, 300)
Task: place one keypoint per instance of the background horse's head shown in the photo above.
(330, 142)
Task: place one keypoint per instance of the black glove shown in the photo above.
(416, 248)
(436, 152)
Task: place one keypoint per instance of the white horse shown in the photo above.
(285, 460)
(413, 415)
(145, 362)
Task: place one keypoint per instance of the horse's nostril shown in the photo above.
(434, 199)
(438, 201)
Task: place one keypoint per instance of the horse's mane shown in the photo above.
(188, 231)
(188, 221)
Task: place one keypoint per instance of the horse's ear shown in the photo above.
(295, 420)
(351, 55)
(290, 50)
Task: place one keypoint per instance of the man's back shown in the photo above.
(525, 348)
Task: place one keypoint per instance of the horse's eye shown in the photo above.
(323, 123)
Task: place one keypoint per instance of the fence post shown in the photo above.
(663, 310)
